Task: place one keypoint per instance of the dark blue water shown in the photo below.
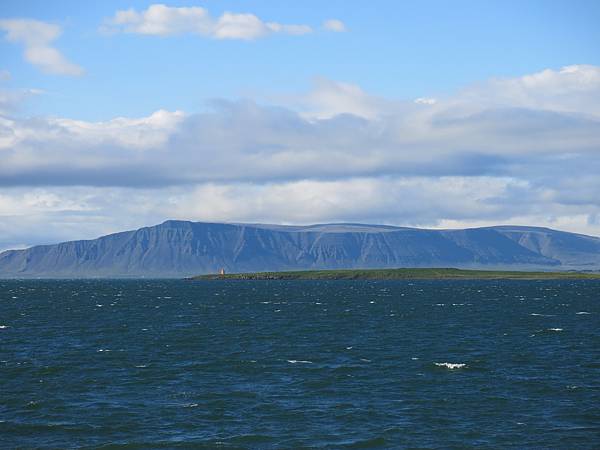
(311, 364)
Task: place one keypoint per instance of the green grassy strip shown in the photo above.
(398, 274)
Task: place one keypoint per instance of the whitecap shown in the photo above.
(582, 312)
(555, 329)
(2, 327)
(299, 361)
(451, 366)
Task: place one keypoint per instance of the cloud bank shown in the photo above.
(37, 36)
(522, 150)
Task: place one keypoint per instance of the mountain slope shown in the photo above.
(181, 248)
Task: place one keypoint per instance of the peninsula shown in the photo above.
(400, 274)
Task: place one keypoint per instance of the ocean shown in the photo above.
(300, 364)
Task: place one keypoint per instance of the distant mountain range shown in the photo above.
(181, 248)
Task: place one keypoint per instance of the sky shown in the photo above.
(116, 115)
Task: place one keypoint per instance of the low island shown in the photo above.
(399, 274)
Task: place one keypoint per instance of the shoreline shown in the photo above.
(400, 274)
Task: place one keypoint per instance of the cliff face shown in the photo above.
(180, 248)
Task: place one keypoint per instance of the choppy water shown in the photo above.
(279, 364)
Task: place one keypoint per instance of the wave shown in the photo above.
(451, 366)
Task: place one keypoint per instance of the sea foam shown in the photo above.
(451, 366)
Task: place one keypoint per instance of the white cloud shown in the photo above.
(37, 38)
(407, 200)
(331, 98)
(76, 136)
(426, 101)
(289, 29)
(504, 151)
(144, 133)
(574, 89)
(52, 214)
(162, 20)
(334, 25)
(11, 100)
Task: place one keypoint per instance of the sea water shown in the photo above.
(300, 364)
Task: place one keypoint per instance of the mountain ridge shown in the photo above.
(177, 248)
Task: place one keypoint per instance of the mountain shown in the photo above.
(181, 248)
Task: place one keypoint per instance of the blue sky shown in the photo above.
(393, 49)
(115, 115)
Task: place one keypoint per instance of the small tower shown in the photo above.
(222, 271)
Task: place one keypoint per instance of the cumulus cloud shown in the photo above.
(329, 98)
(162, 20)
(37, 36)
(572, 89)
(334, 25)
(11, 100)
(504, 151)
